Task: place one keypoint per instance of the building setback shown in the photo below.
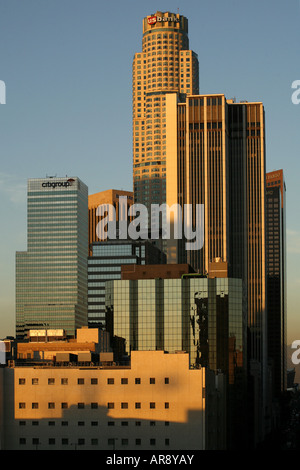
(51, 276)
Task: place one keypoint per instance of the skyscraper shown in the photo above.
(111, 197)
(51, 276)
(276, 278)
(216, 158)
(165, 65)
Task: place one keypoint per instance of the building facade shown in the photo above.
(51, 276)
(105, 264)
(155, 403)
(165, 65)
(119, 200)
(276, 278)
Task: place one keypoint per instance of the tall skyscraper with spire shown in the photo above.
(165, 65)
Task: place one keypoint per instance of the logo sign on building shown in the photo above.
(152, 20)
(165, 19)
(58, 184)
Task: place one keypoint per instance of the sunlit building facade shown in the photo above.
(155, 403)
(117, 199)
(165, 65)
(51, 276)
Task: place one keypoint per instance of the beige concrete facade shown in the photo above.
(165, 65)
(157, 402)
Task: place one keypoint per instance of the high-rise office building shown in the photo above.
(216, 159)
(165, 65)
(119, 200)
(51, 276)
(171, 308)
(105, 264)
(276, 278)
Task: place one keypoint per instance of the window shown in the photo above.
(22, 406)
(22, 381)
(94, 423)
(64, 381)
(110, 405)
(110, 423)
(167, 405)
(138, 405)
(94, 442)
(152, 405)
(51, 423)
(22, 423)
(35, 441)
(152, 380)
(22, 440)
(124, 405)
(35, 381)
(152, 442)
(80, 406)
(35, 423)
(110, 381)
(80, 423)
(51, 381)
(138, 381)
(124, 442)
(138, 442)
(51, 406)
(35, 406)
(124, 423)
(167, 380)
(152, 423)
(80, 381)
(94, 381)
(51, 441)
(124, 381)
(167, 442)
(138, 423)
(94, 406)
(65, 441)
(64, 405)
(81, 442)
(64, 423)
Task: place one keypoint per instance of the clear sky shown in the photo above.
(67, 69)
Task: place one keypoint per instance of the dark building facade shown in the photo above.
(276, 279)
(105, 265)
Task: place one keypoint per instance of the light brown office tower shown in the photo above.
(165, 65)
(216, 158)
(109, 197)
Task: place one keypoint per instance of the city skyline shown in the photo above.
(45, 130)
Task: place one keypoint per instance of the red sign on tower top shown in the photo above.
(152, 20)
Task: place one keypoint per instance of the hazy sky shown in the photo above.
(67, 69)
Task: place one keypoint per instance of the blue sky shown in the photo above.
(67, 69)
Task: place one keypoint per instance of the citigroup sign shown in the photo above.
(58, 184)
(157, 19)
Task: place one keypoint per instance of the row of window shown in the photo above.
(94, 405)
(93, 381)
(93, 423)
(94, 441)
